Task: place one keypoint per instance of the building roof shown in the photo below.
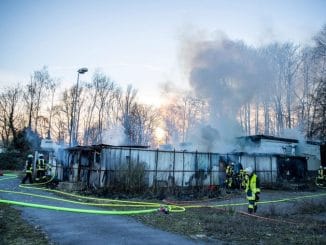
(259, 137)
(256, 138)
(102, 146)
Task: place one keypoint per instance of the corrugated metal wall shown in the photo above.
(265, 166)
(163, 168)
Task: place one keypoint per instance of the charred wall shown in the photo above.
(292, 168)
(162, 168)
(323, 154)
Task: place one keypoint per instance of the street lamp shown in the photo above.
(73, 135)
(82, 70)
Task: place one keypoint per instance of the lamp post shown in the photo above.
(73, 124)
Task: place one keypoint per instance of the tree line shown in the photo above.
(101, 104)
(266, 90)
(294, 97)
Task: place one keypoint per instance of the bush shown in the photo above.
(14, 157)
(12, 161)
(130, 178)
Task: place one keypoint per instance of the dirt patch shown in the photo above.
(14, 230)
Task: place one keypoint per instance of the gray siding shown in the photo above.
(165, 167)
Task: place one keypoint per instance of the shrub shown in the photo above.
(12, 161)
(129, 177)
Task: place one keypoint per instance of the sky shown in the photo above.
(137, 42)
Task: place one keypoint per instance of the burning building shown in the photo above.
(274, 159)
(288, 158)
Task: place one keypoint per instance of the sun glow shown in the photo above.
(160, 135)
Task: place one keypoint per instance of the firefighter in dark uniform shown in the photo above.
(252, 190)
(243, 177)
(28, 169)
(40, 168)
(321, 177)
(229, 176)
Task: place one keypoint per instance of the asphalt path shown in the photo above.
(80, 228)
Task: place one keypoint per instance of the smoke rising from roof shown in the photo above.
(114, 136)
(228, 74)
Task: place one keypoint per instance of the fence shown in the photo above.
(134, 169)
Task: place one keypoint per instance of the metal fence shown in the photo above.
(132, 169)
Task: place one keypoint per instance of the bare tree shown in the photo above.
(317, 126)
(182, 116)
(60, 124)
(64, 112)
(305, 89)
(144, 121)
(172, 117)
(195, 112)
(52, 89)
(36, 93)
(284, 61)
(106, 101)
(320, 49)
(292, 63)
(43, 125)
(92, 94)
(126, 105)
(9, 106)
(247, 118)
(138, 120)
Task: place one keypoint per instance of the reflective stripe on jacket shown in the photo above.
(321, 173)
(229, 170)
(29, 167)
(252, 187)
(40, 164)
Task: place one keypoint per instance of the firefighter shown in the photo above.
(229, 176)
(252, 190)
(28, 169)
(238, 175)
(321, 177)
(40, 168)
(242, 179)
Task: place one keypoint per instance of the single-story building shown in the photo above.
(273, 158)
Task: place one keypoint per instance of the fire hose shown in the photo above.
(150, 207)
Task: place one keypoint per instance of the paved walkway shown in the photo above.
(76, 228)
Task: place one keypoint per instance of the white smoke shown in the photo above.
(114, 136)
(32, 138)
(229, 74)
(295, 133)
(205, 138)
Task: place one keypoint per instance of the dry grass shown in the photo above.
(311, 207)
(306, 225)
(15, 231)
(227, 225)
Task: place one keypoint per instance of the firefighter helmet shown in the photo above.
(30, 156)
(40, 155)
(249, 170)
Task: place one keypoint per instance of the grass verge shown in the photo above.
(16, 231)
(216, 225)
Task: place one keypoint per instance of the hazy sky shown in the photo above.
(137, 42)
